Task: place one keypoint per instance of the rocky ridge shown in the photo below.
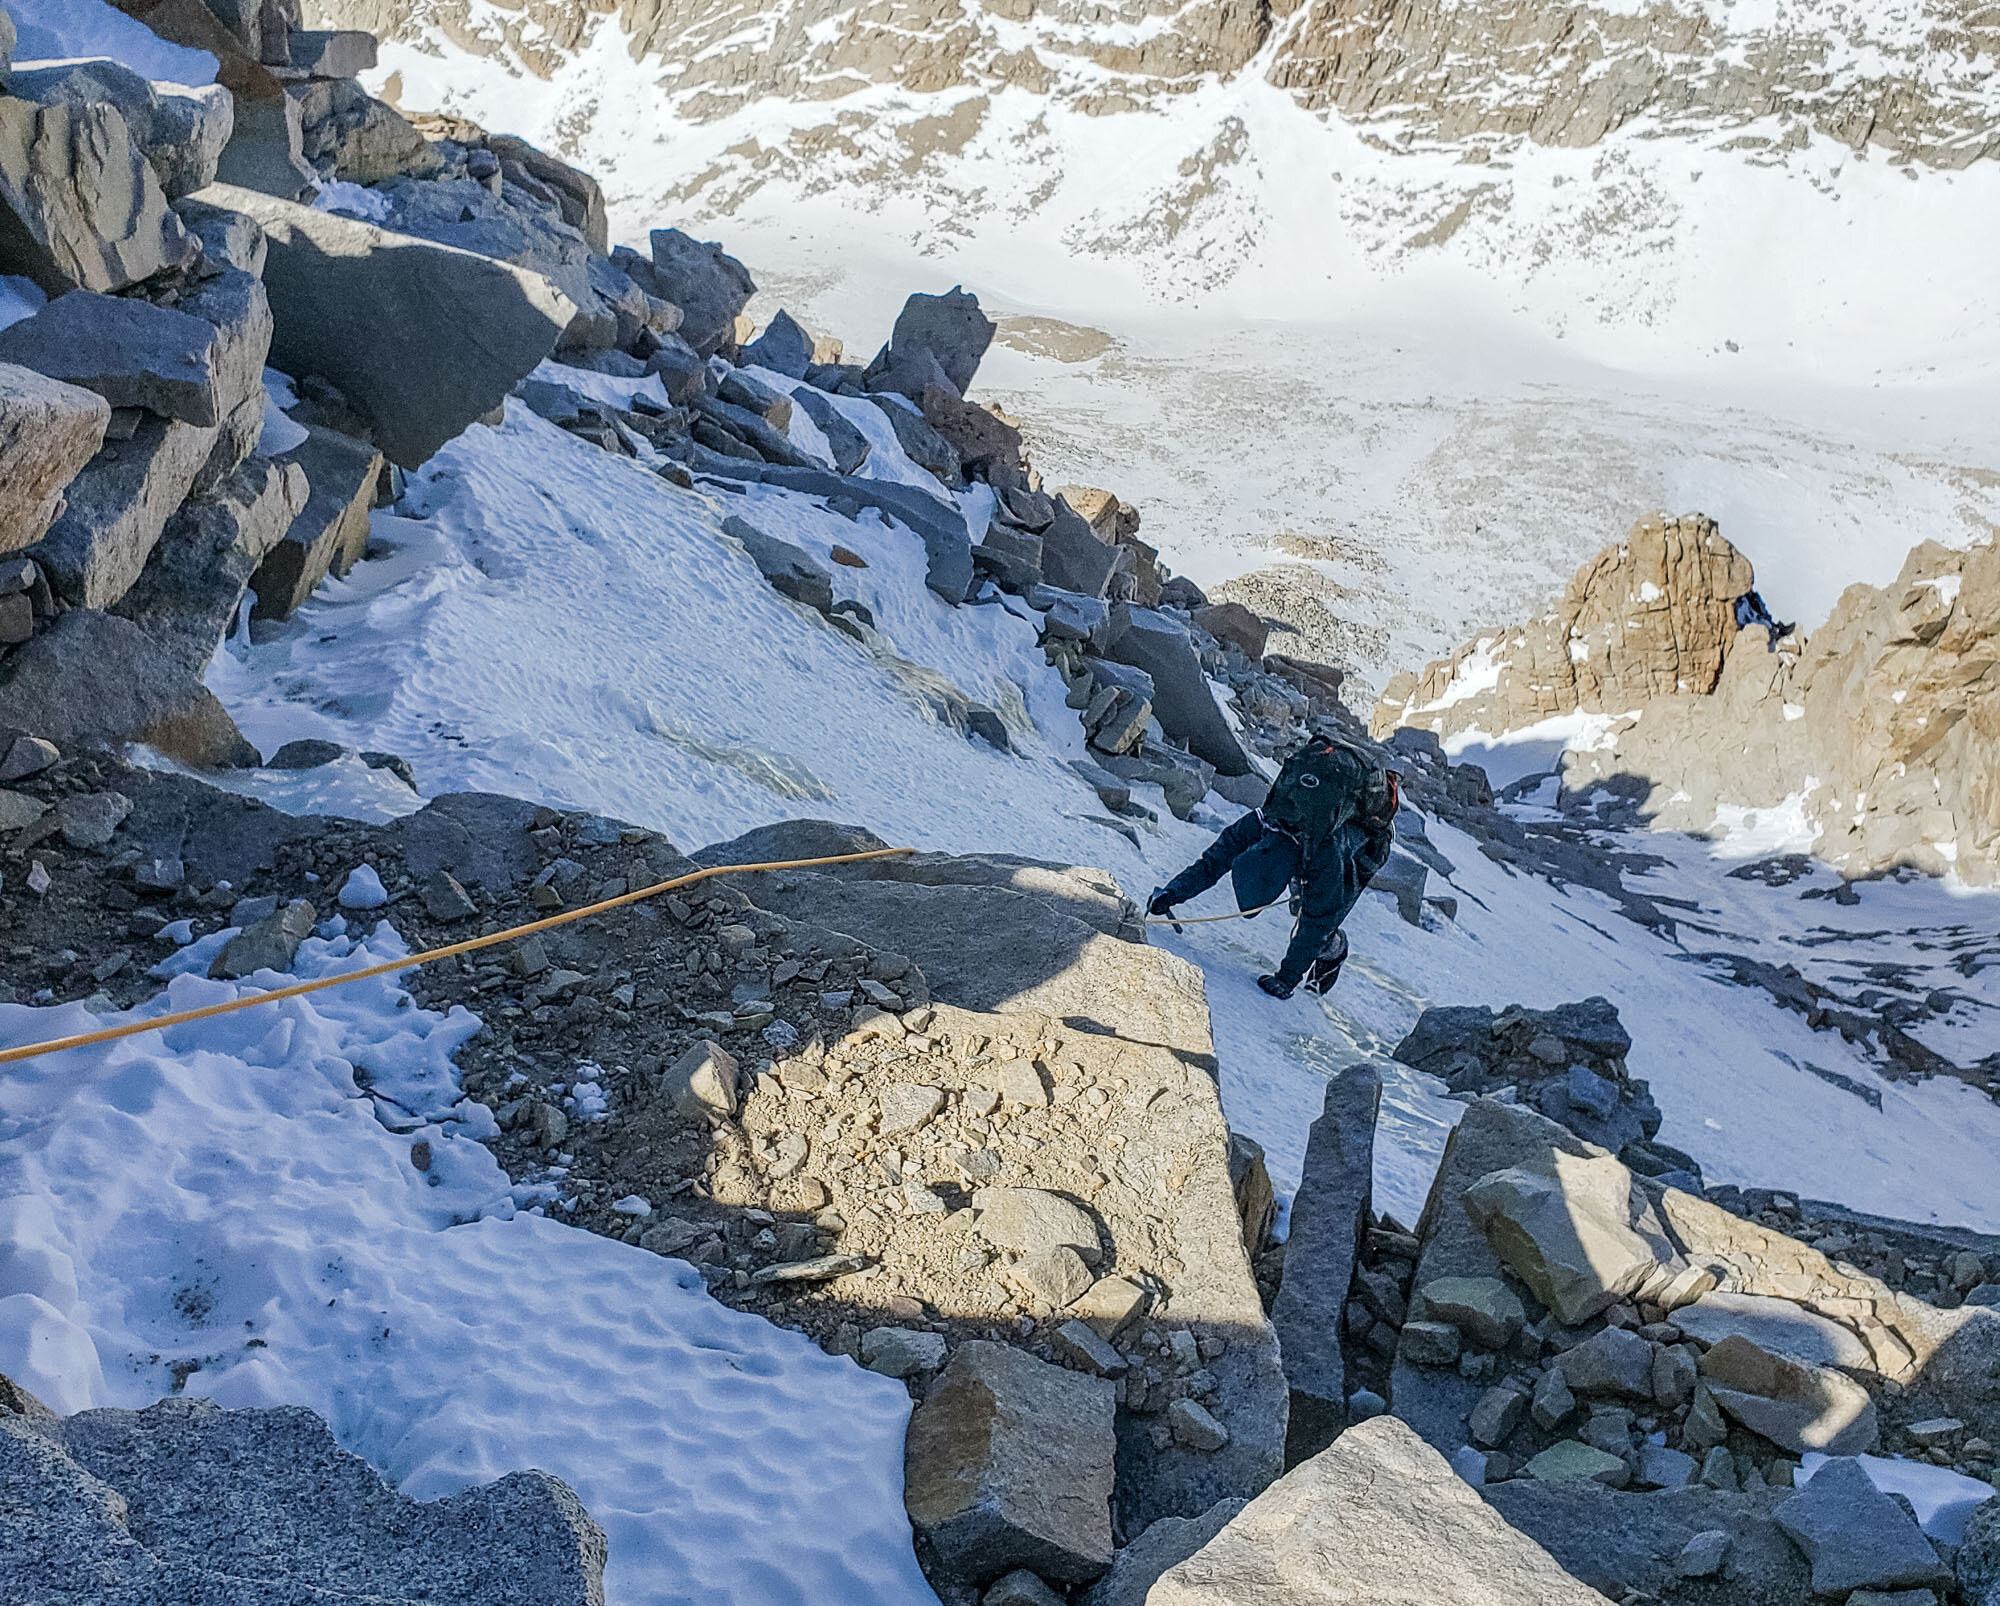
(1878, 729)
(1559, 74)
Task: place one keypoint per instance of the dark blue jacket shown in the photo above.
(1262, 861)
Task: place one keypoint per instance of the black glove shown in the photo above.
(1161, 904)
(1276, 986)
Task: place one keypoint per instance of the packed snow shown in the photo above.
(221, 1209)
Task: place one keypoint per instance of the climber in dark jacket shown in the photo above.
(1326, 828)
(1752, 610)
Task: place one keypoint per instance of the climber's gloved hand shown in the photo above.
(1276, 986)
(1163, 905)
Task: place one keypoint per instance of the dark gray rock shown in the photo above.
(951, 329)
(227, 237)
(1613, 1361)
(192, 125)
(91, 679)
(188, 594)
(1166, 1543)
(266, 149)
(331, 52)
(1074, 559)
(233, 300)
(116, 508)
(791, 572)
(48, 431)
(606, 305)
(1329, 1215)
(784, 347)
(947, 545)
(1182, 777)
(480, 838)
(1618, 1541)
(131, 352)
(346, 133)
(1008, 1464)
(1977, 1564)
(1186, 708)
(849, 446)
(1855, 1536)
(270, 944)
(381, 315)
(80, 208)
(331, 531)
(923, 445)
(709, 286)
(575, 192)
(1403, 878)
(307, 753)
(186, 1502)
(685, 375)
(179, 129)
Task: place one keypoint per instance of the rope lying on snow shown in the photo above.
(299, 989)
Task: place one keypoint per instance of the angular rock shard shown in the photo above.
(1009, 1464)
(1329, 1215)
(331, 532)
(131, 352)
(1798, 1406)
(48, 431)
(1379, 1517)
(1564, 1231)
(79, 206)
(384, 317)
(1856, 1536)
(705, 282)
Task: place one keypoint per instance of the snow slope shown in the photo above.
(1438, 382)
(221, 1203)
(561, 624)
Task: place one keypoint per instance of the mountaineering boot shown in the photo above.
(1325, 970)
(1276, 986)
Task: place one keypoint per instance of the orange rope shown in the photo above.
(299, 989)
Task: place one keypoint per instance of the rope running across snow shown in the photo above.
(471, 944)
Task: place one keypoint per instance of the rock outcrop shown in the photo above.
(1882, 730)
(1651, 616)
(1876, 734)
(1551, 71)
(1380, 1516)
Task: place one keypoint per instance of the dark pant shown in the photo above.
(1262, 863)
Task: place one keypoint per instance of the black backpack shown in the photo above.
(1327, 783)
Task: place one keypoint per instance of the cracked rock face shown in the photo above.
(1551, 71)
(1650, 616)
